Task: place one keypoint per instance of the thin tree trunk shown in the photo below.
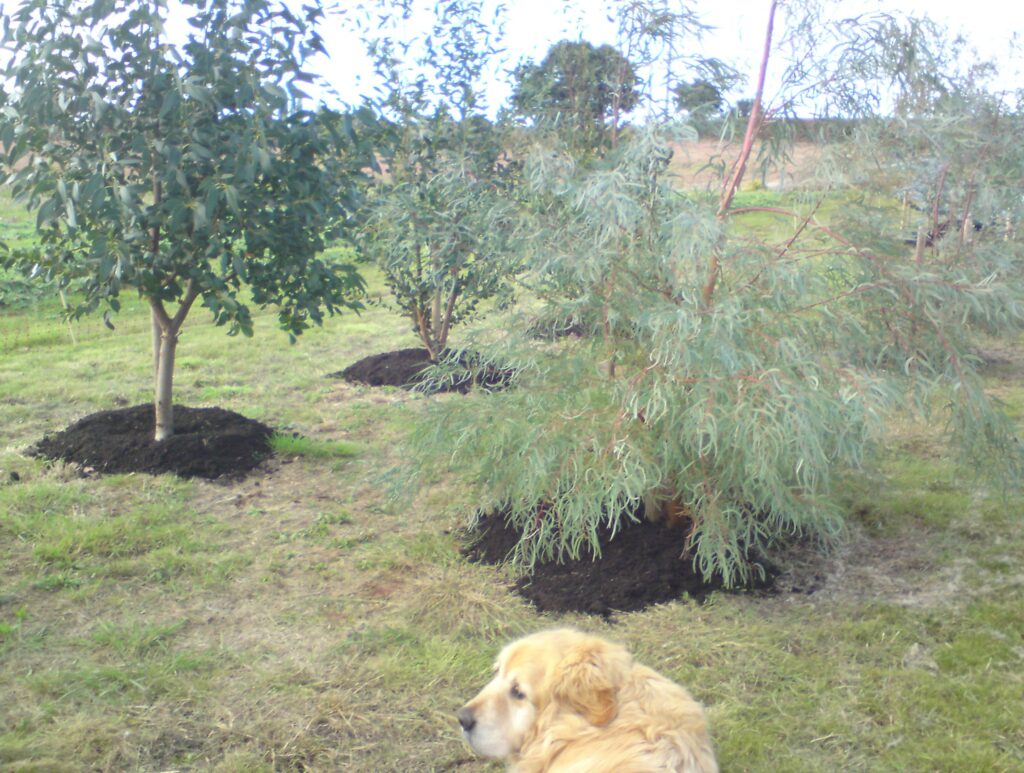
(732, 183)
(435, 311)
(936, 233)
(164, 405)
(420, 319)
(156, 330)
(754, 122)
(156, 310)
(165, 343)
(449, 311)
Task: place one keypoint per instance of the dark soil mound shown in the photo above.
(404, 368)
(639, 567)
(208, 443)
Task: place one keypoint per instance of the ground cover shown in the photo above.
(301, 619)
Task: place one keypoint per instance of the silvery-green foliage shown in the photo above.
(738, 400)
(437, 220)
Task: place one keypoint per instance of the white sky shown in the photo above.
(989, 26)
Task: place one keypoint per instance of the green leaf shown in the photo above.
(171, 101)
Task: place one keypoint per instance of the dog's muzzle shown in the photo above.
(466, 719)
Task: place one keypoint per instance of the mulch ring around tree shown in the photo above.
(207, 443)
(404, 368)
(639, 567)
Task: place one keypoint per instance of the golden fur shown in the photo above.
(563, 701)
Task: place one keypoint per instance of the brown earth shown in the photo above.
(641, 565)
(404, 368)
(208, 443)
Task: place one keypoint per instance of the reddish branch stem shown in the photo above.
(754, 124)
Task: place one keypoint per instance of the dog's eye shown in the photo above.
(516, 693)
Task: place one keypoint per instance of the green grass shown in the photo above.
(300, 619)
(297, 445)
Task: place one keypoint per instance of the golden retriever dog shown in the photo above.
(563, 701)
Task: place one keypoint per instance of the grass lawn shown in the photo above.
(300, 619)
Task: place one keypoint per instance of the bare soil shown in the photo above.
(641, 565)
(404, 368)
(208, 443)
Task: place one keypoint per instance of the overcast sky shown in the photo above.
(991, 27)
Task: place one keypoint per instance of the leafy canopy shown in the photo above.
(698, 97)
(181, 171)
(578, 86)
(437, 221)
(738, 352)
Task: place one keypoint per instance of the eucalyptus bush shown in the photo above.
(183, 172)
(437, 220)
(741, 356)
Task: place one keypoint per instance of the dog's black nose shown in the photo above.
(466, 718)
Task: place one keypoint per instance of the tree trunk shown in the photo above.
(165, 345)
(420, 319)
(155, 325)
(449, 312)
(435, 306)
(164, 383)
(732, 182)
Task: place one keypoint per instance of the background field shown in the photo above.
(301, 619)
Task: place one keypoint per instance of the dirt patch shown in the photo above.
(697, 165)
(404, 368)
(900, 570)
(640, 566)
(208, 443)
(1002, 359)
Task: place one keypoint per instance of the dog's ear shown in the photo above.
(588, 679)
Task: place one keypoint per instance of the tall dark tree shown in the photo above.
(579, 87)
(183, 172)
(699, 97)
(744, 106)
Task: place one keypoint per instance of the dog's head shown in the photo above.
(538, 679)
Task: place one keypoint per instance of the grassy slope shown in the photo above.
(299, 620)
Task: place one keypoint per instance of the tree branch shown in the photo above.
(449, 310)
(754, 122)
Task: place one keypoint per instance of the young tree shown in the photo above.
(183, 172)
(437, 222)
(738, 365)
